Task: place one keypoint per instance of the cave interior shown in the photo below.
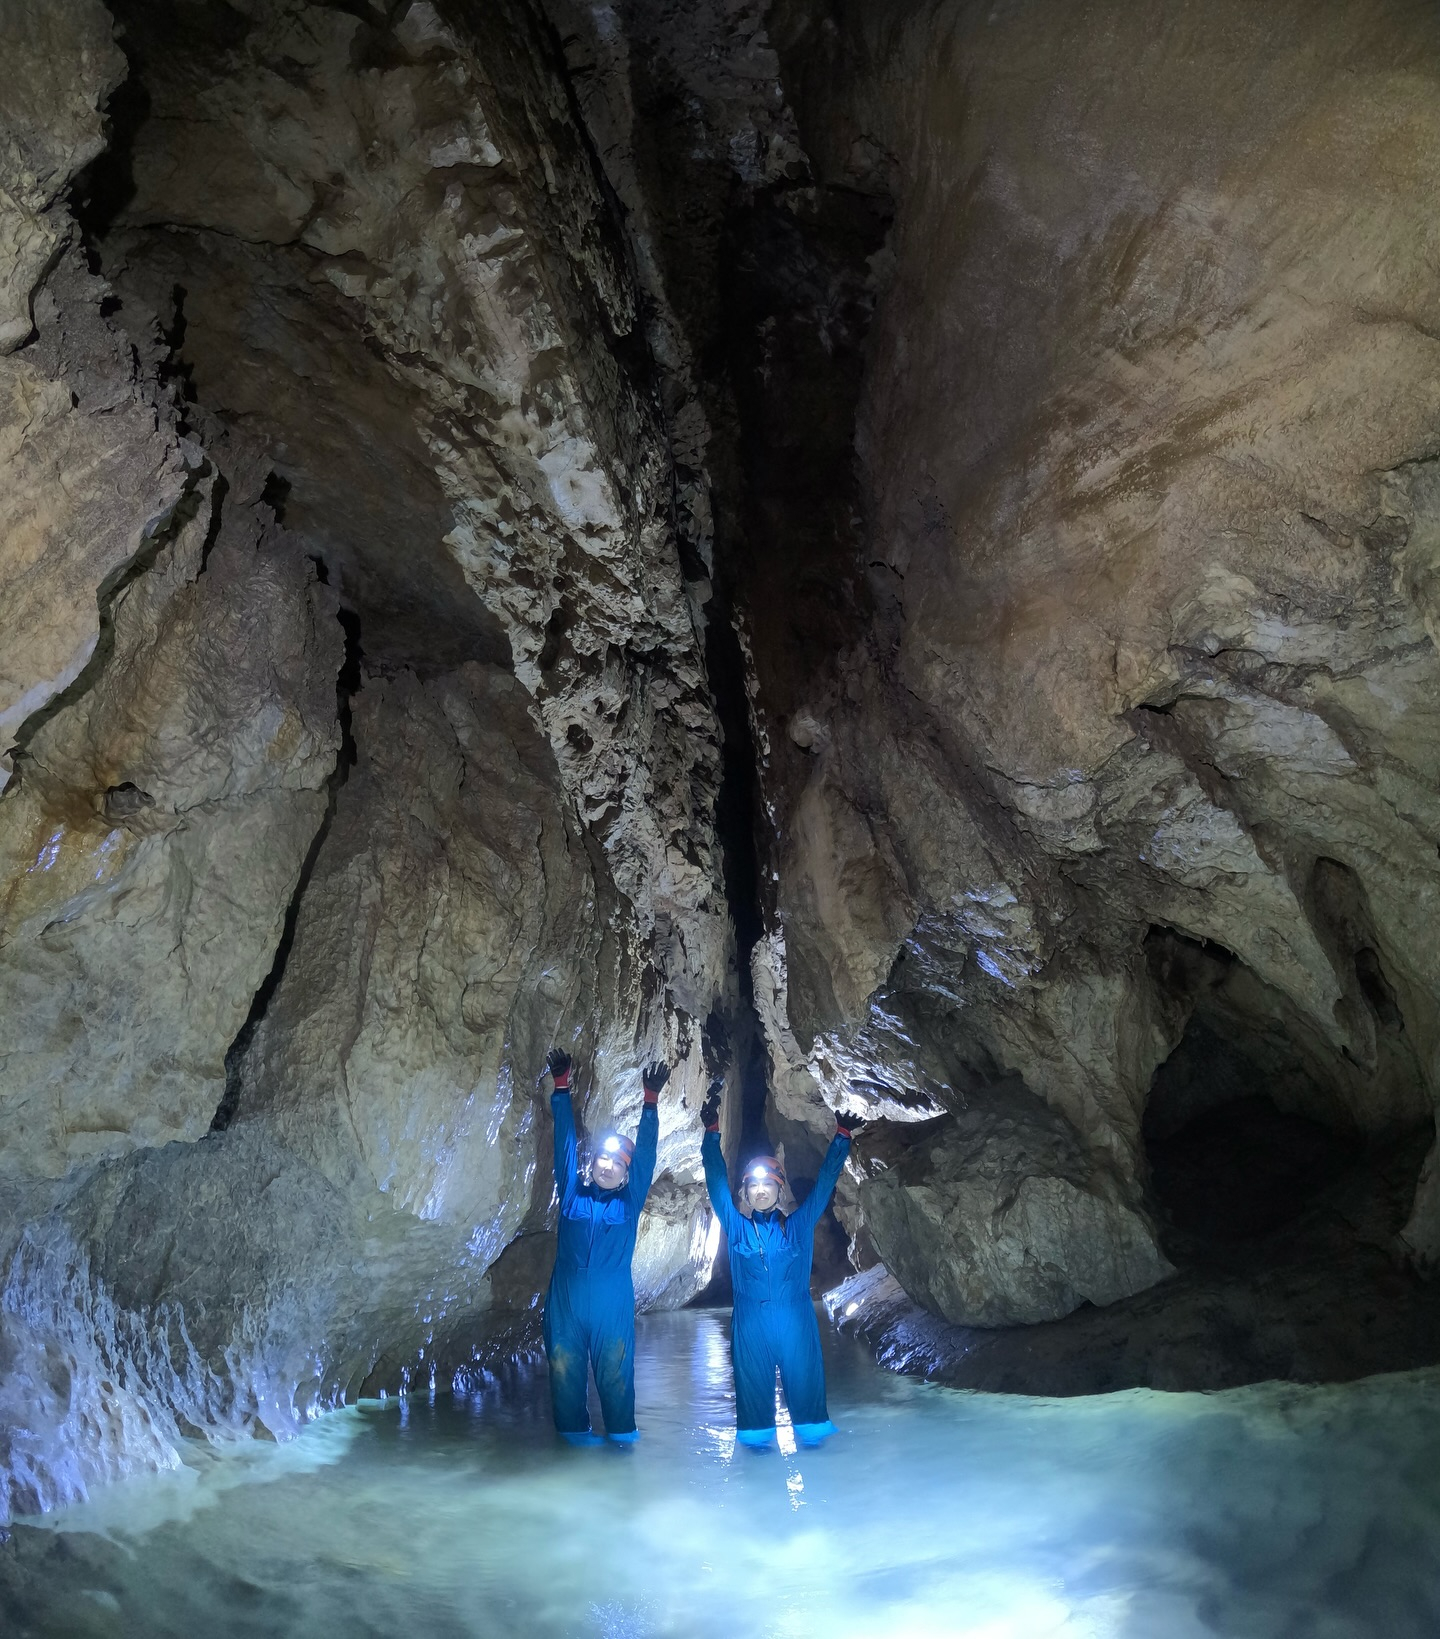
(883, 553)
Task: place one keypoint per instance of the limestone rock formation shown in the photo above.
(362, 738)
(1319, 1299)
(435, 208)
(675, 1251)
(1071, 455)
(157, 835)
(450, 928)
(63, 65)
(885, 552)
(1070, 758)
(1002, 1219)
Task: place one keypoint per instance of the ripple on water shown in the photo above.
(1268, 1513)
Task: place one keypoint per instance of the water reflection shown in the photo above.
(1267, 1514)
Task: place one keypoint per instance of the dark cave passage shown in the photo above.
(1239, 1169)
(1242, 1135)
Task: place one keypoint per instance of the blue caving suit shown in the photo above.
(590, 1306)
(773, 1321)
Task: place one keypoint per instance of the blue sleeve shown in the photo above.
(567, 1177)
(807, 1214)
(642, 1163)
(717, 1181)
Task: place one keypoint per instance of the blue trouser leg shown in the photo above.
(753, 1360)
(590, 1321)
(764, 1336)
(612, 1351)
(567, 1350)
(802, 1367)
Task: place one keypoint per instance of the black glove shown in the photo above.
(850, 1124)
(710, 1109)
(653, 1077)
(557, 1062)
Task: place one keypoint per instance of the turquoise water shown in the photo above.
(1282, 1513)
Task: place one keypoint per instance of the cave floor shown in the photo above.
(1266, 1511)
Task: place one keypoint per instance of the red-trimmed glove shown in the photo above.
(710, 1109)
(652, 1078)
(847, 1125)
(558, 1064)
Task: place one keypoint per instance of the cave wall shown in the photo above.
(887, 550)
(362, 739)
(1066, 380)
(1150, 502)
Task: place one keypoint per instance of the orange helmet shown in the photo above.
(764, 1166)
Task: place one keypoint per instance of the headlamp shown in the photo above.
(615, 1148)
(765, 1169)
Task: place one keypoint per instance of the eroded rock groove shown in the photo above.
(346, 683)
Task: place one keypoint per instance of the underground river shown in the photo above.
(1265, 1513)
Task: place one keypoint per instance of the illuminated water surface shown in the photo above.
(1287, 1514)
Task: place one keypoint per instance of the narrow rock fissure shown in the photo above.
(347, 684)
(217, 517)
(737, 812)
(103, 189)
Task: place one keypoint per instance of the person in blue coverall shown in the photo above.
(773, 1320)
(590, 1305)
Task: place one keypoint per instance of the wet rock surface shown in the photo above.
(1130, 652)
(1326, 1298)
(157, 833)
(1105, 679)
(1001, 1217)
(362, 737)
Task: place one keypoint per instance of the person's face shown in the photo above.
(762, 1193)
(609, 1171)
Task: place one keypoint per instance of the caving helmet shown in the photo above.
(763, 1168)
(617, 1146)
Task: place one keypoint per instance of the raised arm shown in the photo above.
(647, 1137)
(807, 1214)
(717, 1180)
(562, 1112)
